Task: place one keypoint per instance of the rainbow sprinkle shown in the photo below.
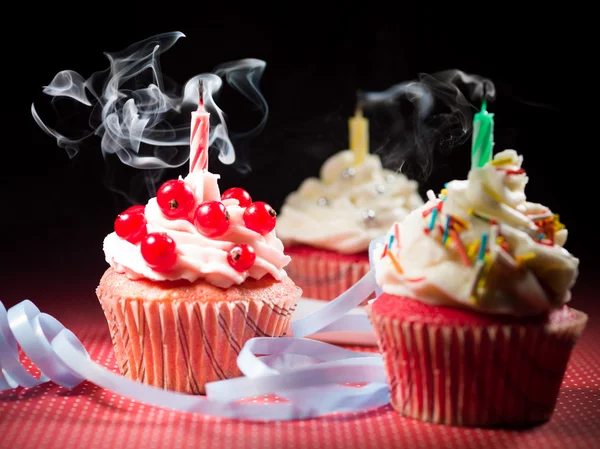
(391, 241)
(504, 161)
(483, 246)
(395, 262)
(493, 194)
(397, 234)
(460, 247)
(524, 257)
(434, 214)
(479, 266)
(447, 228)
(478, 215)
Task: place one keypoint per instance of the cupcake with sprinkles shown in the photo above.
(328, 223)
(473, 321)
(193, 275)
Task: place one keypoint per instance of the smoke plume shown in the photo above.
(142, 117)
(415, 118)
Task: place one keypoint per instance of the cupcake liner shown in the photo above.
(325, 278)
(182, 345)
(476, 375)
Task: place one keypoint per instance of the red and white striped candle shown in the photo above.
(199, 135)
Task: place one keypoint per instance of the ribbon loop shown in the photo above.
(311, 376)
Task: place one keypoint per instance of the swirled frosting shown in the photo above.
(347, 206)
(198, 256)
(481, 245)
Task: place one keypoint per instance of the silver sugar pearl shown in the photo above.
(390, 179)
(349, 173)
(369, 217)
(379, 189)
(323, 201)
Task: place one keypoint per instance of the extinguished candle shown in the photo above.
(358, 127)
(199, 135)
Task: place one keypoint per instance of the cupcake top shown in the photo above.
(190, 231)
(480, 244)
(347, 206)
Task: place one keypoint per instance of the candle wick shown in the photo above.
(483, 104)
(358, 110)
(201, 93)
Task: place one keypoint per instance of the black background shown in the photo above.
(57, 210)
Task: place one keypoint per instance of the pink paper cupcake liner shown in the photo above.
(181, 346)
(487, 376)
(325, 277)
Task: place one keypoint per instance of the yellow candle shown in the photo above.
(358, 127)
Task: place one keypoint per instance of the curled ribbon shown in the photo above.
(309, 374)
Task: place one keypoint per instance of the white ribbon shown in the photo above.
(309, 374)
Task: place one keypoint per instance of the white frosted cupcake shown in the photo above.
(327, 224)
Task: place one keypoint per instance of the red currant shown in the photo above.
(175, 199)
(159, 251)
(260, 217)
(236, 193)
(131, 225)
(139, 209)
(241, 257)
(211, 218)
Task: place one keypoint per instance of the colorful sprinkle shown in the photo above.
(504, 161)
(444, 192)
(447, 229)
(460, 222)
(493, 237)
(391, 241)
(384, 252)
(524, 257)
(434, 214)
(460, 247)
(493, 194)
(478, 215)
(397, 234)
(472, 248)
(483, 246)
(395, 262)
(479, 266)
(430, 195)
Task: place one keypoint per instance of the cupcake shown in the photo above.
(193, 275)
(327, 224)
(473, 321)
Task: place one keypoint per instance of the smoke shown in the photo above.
(412, 120)
(142, 117)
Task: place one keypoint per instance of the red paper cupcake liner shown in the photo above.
(181, 346)
(325, 277)
(480, 375)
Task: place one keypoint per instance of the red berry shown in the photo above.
(131, 226)
(159, 251)
(236, 193)
(260, 217)
(175, 199)
(241, 257)
(139, 209)
(211, 218)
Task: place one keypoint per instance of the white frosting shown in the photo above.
(200, 257)
(333, 212)
(435, 273)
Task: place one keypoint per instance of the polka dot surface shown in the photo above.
(48, 416)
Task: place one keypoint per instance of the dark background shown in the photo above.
(57, 210)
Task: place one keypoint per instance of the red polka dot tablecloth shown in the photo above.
(48, 416)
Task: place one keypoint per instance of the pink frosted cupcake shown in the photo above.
(328, 223)
(472, 322)
(193, 275)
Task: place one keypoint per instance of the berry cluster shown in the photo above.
(176, 201)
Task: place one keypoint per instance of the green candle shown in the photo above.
(483, 137)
